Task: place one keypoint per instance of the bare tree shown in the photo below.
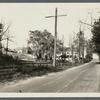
(3, 30)
(89, 26)
(71, 45)
(8, 38)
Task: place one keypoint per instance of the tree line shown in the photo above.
(41, 43)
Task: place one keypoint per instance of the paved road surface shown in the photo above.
(84, 78)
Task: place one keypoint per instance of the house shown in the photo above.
(74, 53)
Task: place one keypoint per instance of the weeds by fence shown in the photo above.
(22, 69)
(14, 69)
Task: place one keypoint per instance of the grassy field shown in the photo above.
(21, 71)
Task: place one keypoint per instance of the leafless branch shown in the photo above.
(86, 23)
(6, 29)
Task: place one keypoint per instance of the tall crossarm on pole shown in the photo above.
(55, 37)
(54, 16)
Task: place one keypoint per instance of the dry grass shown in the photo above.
(11, 69)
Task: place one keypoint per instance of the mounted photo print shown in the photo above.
(49, 49)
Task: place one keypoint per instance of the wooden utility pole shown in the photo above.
(7, 46)
(70, 43)
(1, 31)
(8, 38)
(79, 43)
(83, 45)
(62, 44)
(7, 43)
(55, 37)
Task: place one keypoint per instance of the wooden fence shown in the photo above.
(26, 66)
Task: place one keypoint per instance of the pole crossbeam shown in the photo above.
(55, 37)
(54, 16)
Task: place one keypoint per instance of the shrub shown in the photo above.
(88, 57)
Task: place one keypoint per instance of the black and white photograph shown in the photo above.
(49, 48)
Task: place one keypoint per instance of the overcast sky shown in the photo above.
(31, 16)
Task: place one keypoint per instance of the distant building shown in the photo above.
(75, 53)
(21, 50)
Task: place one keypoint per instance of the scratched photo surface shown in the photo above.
(49, 47)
